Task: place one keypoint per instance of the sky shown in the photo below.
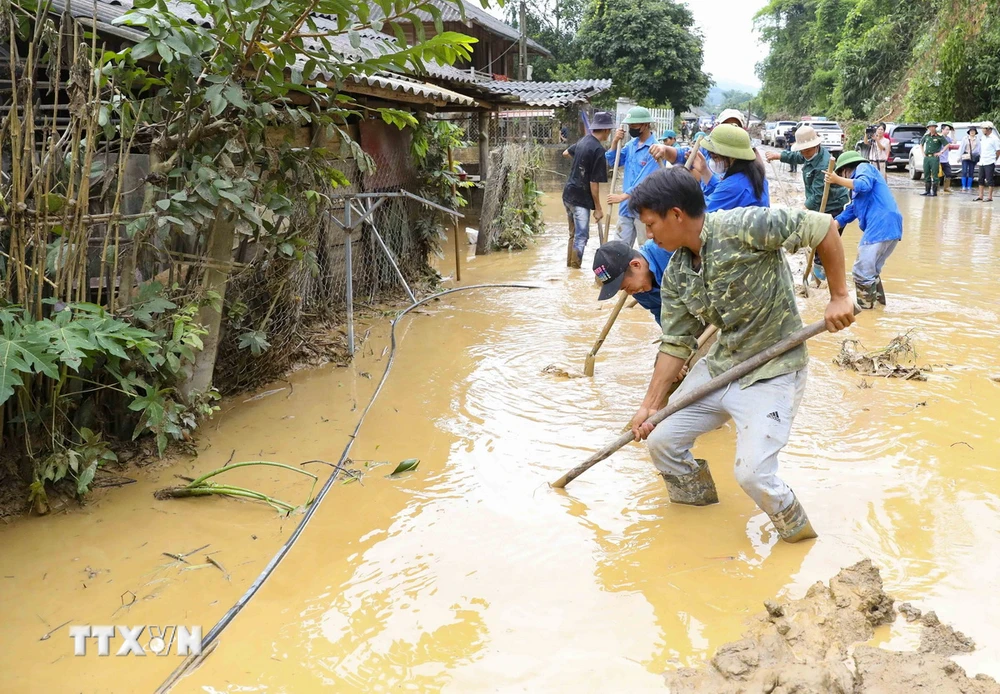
(731, 47)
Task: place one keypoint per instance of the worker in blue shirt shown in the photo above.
(734, 176)
(636, 272)
(878, 215)
(635, 163)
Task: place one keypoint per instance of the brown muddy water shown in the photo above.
(470, 574)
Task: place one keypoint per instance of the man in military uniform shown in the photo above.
(932, 144)
(728, 269)
(814, 159)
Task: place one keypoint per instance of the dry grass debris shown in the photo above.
(898, 359)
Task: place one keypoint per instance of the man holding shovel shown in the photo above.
(637, 163)
(815, 160)
(581, 194)
(728, 270)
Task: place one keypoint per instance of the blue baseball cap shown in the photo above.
(667, 134)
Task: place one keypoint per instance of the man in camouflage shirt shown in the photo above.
(728, 269)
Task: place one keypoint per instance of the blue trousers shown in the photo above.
(968, 173)
(579, 227)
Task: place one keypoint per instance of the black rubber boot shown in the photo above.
(880, 292)
(934, 188)
(792, 523)
(866, 295)
(694, 489)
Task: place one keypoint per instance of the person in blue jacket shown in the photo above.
(878, 215)
(635, 163)
(734, 176)
(636, 272)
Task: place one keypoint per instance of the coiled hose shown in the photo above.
(209, 642)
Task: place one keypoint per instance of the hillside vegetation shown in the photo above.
(881, 59)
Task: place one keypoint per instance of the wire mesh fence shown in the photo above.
(281, 311)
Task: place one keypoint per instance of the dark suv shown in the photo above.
(902, 138)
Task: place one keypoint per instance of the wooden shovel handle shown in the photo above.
(696, 394)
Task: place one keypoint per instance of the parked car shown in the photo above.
(916, 158)
(902, 138)
(767, 135)
(831, 135)
(780, 128)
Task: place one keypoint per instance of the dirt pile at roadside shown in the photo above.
(805, 646)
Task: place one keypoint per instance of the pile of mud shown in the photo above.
(808, 646)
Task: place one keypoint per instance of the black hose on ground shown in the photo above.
(209, 641)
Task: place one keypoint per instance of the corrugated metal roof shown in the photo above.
(474, 14)
(551, 94)
(408, 86)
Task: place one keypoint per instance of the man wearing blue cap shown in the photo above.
(635, 272)
(637, 163)
(581, 194)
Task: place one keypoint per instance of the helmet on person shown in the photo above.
(730, 114)
(731, 141)
(638, 114)
(848, 158)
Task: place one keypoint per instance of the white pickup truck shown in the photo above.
(831, 135)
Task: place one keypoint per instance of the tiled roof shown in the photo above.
(550, 94)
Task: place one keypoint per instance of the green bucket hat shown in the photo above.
(729, 141)
(638, 114)
(848, 158)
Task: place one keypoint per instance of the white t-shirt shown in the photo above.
(988, 149)
(880, 154)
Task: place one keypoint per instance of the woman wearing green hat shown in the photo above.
(734, 176)
(878, 215)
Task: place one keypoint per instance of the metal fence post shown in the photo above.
(348, 267)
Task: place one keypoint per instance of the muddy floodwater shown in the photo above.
(470, 574)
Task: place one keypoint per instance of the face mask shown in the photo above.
(717, 166)
(634, 132)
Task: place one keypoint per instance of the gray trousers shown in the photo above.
(629, 228)
(871, 258)
(763, 415)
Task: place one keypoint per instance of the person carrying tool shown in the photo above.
(635, 272)
(728, 269)
(581, 194)
(932, 144)
(815, 160)
(878, 215)
(637, 164)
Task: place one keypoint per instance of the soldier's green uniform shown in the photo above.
(740, 283)
(812, 177)
(932, 145)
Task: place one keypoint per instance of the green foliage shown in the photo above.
(553, 24)
(521, 212)
(734, 98)
(864, 58)
(650, 48)
(438, 181)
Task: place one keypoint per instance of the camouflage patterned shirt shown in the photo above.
(743, 286)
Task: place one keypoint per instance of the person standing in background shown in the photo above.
(988, 147)
(932, 144)
(968, 154)
(878, 148)
(948, 133)
(789, 140)
(636, 163)
(581, 194)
